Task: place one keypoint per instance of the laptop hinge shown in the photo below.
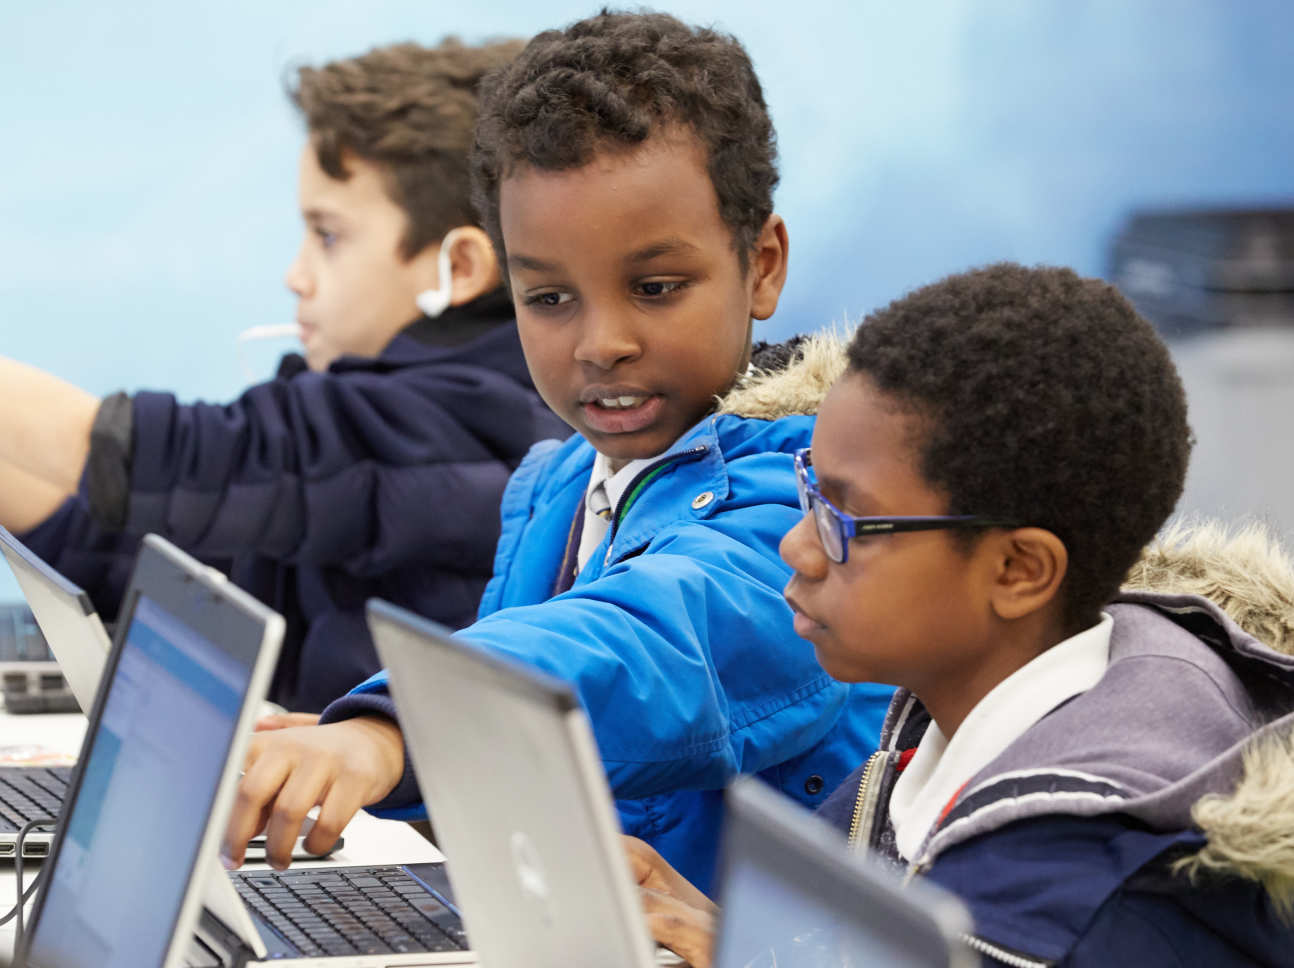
(232, 951)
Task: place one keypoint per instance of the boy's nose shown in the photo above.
(801, 548)
(296, 278)
(607, 342)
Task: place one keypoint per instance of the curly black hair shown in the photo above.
(1043, 399)
(612, 81)
(411, 110)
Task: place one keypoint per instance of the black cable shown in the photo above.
(22, 895)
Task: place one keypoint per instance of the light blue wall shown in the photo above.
(147, 206)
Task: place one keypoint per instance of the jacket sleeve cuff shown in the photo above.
(106, 479)
(405, 801)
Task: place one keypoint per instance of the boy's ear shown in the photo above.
(473, 266)
(1030, 566)
(768, 260)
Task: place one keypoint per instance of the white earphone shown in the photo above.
(433, 302)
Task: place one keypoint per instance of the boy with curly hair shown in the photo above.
(322, 487)
(1003, 445)
(624, 168)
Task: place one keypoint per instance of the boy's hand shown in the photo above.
(285, 721)
(340, 767)
(679, 916)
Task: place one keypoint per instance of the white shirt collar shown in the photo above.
(601, 500)
(940, 767)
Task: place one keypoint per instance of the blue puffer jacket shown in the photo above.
(675, 634)
(318, 491)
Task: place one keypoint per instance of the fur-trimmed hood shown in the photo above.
(1250, 829)
(787, 379)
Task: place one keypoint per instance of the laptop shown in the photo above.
(66, 619)
(520, 803)
(517, 793)
(159, 768)
(793, 895)
(80, 643)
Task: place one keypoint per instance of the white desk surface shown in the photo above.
(368, 839)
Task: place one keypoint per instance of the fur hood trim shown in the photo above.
(1244, 572)
(1251, 831)
(793, 390)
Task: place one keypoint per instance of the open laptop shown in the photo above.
(794, 896)
(65, 616)
(511, 774)
(80, 643)
(158, 770)
(520, 802)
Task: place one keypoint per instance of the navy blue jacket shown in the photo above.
(316, 491)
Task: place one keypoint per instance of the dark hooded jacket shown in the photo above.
(316, 491)
(1150, 820)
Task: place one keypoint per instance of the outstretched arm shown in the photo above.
(44, 424)
(25, 499)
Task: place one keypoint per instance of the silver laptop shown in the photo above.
(66, 618)
(517, 793)
(162, 756)
(794, 896)
(81, 644)
(520, 803)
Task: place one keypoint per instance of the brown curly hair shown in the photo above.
(1044, 399)
(613, 80)
(411, 110)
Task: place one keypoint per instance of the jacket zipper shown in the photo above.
(1014, 959)
(1004, 955)
(639, 484)
(860, 833)
(860, 827)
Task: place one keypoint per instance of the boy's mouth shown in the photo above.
(804, 625)
(621, 413)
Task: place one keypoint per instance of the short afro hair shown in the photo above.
(1045, 400)
(411, 110)
(609, 83)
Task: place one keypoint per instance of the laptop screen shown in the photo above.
(132, 837)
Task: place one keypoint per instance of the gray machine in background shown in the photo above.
(1219, 286)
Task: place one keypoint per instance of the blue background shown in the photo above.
(147, 208)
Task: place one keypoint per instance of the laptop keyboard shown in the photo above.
(29, 792)
(356, 910)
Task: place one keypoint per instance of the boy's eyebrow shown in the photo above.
(315, 214)
(844, 492)
(517, 261)
(670, 246)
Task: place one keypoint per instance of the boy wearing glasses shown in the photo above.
(625, 169)
(1062, 755)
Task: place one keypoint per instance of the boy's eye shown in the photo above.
(548, 300)
(659, 287)
(326, 238)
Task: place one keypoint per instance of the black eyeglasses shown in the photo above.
(836, 529)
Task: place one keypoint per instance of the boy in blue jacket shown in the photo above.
(624, 168)
(1103, 776)
(323, 486)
